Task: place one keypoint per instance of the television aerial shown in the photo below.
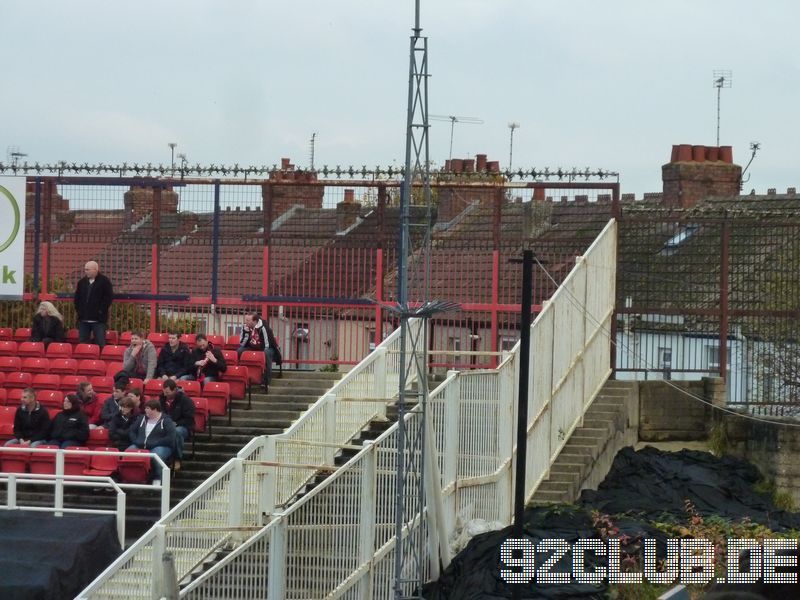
(453, 120)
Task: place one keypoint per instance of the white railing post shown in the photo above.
(159, 547)
(366, 526)
(165, 485)
(507, 395)
(329, 424)
(59, 489)
(121, 518)
(276, 572)
(236, 499)
(268, 481)
(11, 500)
(379, 380)
(452, 398)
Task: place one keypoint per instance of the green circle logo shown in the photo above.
(15, 207)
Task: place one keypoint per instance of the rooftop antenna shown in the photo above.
(14, 154)
(453, 120)
(512, 126)
(311, 144)
(754, 148)
(722, 79)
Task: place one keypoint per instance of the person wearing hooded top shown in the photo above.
(139, 360)
(258, 336)
(120, 424)
(110, 407)
(180, 409)
(31, 421)
(70, 427)
(207, 360)
(154, 431)
(90, 403)
(174, 359)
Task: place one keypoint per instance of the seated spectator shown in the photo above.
(258, 336)
(48, 324)
(31, 421)
(139, 360)
(175, 359)
(207, 360)
(110, 407)
(155, 432)
(70, 427)
(135, 394)
(120, 425)
(90, 404)
(180, 408)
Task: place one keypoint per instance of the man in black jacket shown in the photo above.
(180, 408)
(208, 362)
(93, 296)
(258, 336)
(175, 359)
(31, 421)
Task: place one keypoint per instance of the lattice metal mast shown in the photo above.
(409, 499)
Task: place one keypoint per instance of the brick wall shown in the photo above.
(695, 173)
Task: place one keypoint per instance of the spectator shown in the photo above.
(175, 359)
(257, 335)
(90, 404)
(139, 359)
(207, 360)
(70, 427)
(155, 432)
(31, 421)
(135, 394)
(48, 324)
(179, 407)
(120, 424)
(110, 407)
(93, 296)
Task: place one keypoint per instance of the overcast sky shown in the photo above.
(607, 85)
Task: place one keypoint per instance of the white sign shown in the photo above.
(12, 237)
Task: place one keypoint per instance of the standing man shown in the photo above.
(257, 335)
(93, 296)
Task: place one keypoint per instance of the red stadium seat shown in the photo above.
(158, 338)
(102, 384)
(190, 388)
(69, 383)
(86, 351)
(13, 396)
(43, 463)
(112, 337)
(218, 341)
(238, 377)
(135, 382)
(35, 365)
(18, 379)
(134, 466)
(232, 342)
(9, 364)
(13, 462)
(152, 389)
(201, 416)
(255, 363)
(104, 465)
(7, 423)
(35, 349)
(218, 395)
(112, 368)
(22, 334)
(74, 464)
(64, 366)
(3, 396)
(8, 348)
(6, 333)
(124, 338)
(72, 337)
(59, 350)
(51, 398)
(189, 339)
(231, 357)
(89, 367)
(112, 352)
(98, 437)
(46, 381)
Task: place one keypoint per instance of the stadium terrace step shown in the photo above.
(605, 418)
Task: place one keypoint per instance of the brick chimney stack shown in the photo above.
(695, 173)
(347, 211)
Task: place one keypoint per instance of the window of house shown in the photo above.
(665, 356)
(712, 357)
(507, 343)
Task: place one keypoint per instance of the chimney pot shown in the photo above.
(469, 165)
(480, 162)
(285, 163)
(791, 191)
(712, 153)
(349, 196)
(684, 153)
(726, 154)
(457, 164)
(674, 156)
(447, 166)
(699, 153)
(494, 166)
